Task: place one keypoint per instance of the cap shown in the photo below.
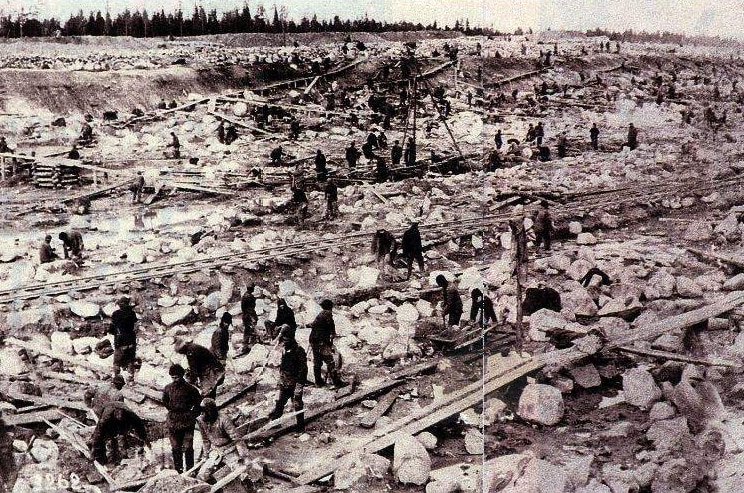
(286, 332)
(176, 370)
(326, 304)
(180, 345)
(118, 381)
(123, 301)
(226, 318)
(208, 403)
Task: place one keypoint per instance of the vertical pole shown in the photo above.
(95, 178)
(2, 168)
(414, 102)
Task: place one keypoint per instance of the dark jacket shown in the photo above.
(293, 368)
(396, 154)
(46, 253)
(182, 400)
(485, 307)
(331, 192)
(248, 304)
(543, 222)
(352, 155)
(220, 342)
(285, 315)
(202, 361)
(108, 426)
(452, 301)
(122, 327)
(411, 241)
(320, 162)
(74, 243)
(299, 196)
(323, 328)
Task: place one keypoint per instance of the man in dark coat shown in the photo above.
(46, 252)
(451, 301)
(292, 376)
(396, 153)
(594, 136)
(321, 340)
(72, 243)
(176, 145)
(481, 309)
(498, 140)
(321, 171)
(632, 137)
(409, 156)
(284, 316)
(8, 467)
(250, 318)
(352, 155)
(125, 338)
(543, 226)
(116, 420)
(181, 399)
(205, 370)
(412, 248)
(331, 196)
(221, 338)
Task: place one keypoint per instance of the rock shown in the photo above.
(411, 461)
(212, 301)
(735, 283)
(11, 363)
(359, 468)
(608, 220)
(61, 342)
(364, 277)
(474, 442)
(586, 239)
(176, 314)
(660, 411)
(428, 440)
(578, 469)
(542, 404)
(546, 320)
(669, 434)
(527, 475)
(660, 285)
(378, 309)
(377, 335)
(574, 227)
(136, 254)
(579, 268)
(406, 313)
(492, 410)
(688, 288)
(728, 228)
(44, 451)
(84, 345)
(287, 288)
(579, 302)
(458, 478)
(639, 388)
(426, 309)
(84, 309)
(25, 318)
(618, 430)
(594, 486)
(586, 376)
(698, 231)
(397, 348)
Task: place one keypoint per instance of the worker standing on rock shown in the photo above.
(221, 338)
(137, 187)
(632, 137)
(125, 339)
(46, 252)
(250, 318)
(292, 376)
(594, 136)
(284, 316)
(221, 445)
(543, 226)
(182, 400)
(176, 145)
(205, 370)
(331, 196)
(72, 243)
(413, 248)
(451, 301)
(321, 340)
(352, 155)
(116, 420)
(321, 171)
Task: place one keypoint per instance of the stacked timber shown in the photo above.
(48, 175)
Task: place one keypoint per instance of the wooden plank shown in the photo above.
(195, 188)
(48, 401)
(383, 405)
(32, 418)
(100, 191)
(239, 123)
(310, 86)
(678, 357)
(736, 262)
(71, 438)
(228, 479)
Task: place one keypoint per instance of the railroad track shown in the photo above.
(431, 231)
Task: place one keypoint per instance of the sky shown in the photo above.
(709, 17)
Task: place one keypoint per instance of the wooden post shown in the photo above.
(2, 168)
(519, 237)
(95, 178)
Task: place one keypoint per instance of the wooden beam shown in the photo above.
(239, 123)
(736, 262)
(678, 357)
(48, 401)
(100, 191)
(228, 479)
(310, 86)
(31, 418)
(383, 405)
(196, 188)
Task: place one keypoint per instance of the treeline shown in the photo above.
(662, 37)
(159, 24)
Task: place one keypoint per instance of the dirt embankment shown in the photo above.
(27, 91)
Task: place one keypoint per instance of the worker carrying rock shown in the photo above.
(292, 376)
(321, 341)
(205, 369)
(116, 420)
(182, 400)
(222, 448)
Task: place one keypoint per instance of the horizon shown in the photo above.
(723, 19)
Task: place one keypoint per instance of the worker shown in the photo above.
(231, 134)
(172, 104)
(276, 155)
(122, 325)
(321, 341)
(481, 308)
(86, 134)
(595, 271)
(352, 155)
(384, 245)
(594, 136)
(543, 226)
(74, 153)
(162, 104)
(451, 301)
(284, 316)
(292, 376)
(412, 248)
(382, 141)
(294, 129)
(530, 133)
(539, 134)
(176, 145)
(46, 252)
(137, 187)
(409, 156)
(331, 196)
(632, 137)
(321, 171)
(250, 318)
(372, 140)
(221, 338)
(562, 145)
(222, 447)
(8, 466)
(205, 370)
(498, 140)
(301, 202)
(97, 398)
(221, 132)
(4, 148)
(382, 172)
(182, 400)
(116, 420)
(396, 153)
(72, 243)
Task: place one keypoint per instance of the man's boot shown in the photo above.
(319, 381)
(301, 422)
(177, 460)
(189, 454)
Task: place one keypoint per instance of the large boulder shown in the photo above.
(61, 342)
(735, 283)
(586, 376)
(542, 404)
(579, 302)
(84, 309)
(640, 388)
(661, 285)
(176, 314)
(728, 228)
(359, 469)
(528, 475)
(688, 288)
(411, 461)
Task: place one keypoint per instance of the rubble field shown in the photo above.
(630, 384)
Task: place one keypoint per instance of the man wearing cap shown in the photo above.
(46, 252)
(181, 399)
(321, 340)
(98, 398)
(284, 316)
(412, 248)
(72, 243)
(137, 187)
(205, 370)
(125, 339)
(543, 226)
(352, 155)
(116, 420)
(292, 376)
(221, 338)
(250, 318)
(451, 301)
(221, 443)
(331, 196)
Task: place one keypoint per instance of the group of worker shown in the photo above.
(72, 247)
